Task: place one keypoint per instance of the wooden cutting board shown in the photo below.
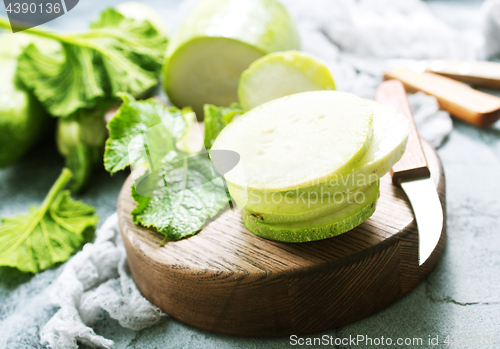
(225, 279)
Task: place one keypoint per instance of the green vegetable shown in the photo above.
(48, 234)
(80, 139)
(390, 134)
(297, 141)
(22, 119)
(216, 118)
(186, 195)
(316, 127)
(281, 74)
(118, 54)
(216, 42)
(179, 190)
(293, 208)
(322, 227)
(132, 120)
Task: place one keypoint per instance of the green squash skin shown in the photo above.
(301, 209)
(263, 25)
(23, 120)
(317, 229)
(80, 139)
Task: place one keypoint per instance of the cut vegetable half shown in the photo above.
(216, 42)
(281, 74)
(207, 70)
(390, 135)
(297, 141)
(319, 228)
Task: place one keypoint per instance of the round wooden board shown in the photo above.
(226, 279)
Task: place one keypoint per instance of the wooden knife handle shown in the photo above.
(413, 164)
(460, 100)
(476, 73)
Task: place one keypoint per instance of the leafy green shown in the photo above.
(118, 54)
(216, 118)
(187, 194)
(47, 234)
(132, 120)
(179, 190)
(80, 139)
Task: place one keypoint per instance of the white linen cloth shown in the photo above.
(96, 279)
(358, 40)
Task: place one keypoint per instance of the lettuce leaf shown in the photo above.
(48, 234)
(118, 54)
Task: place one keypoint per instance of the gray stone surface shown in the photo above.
(460, 298)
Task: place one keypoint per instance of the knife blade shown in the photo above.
(412, 174)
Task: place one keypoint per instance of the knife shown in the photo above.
(413, 175)
(459, 99)
(476, 73)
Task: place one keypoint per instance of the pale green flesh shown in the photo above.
(260, 26)
(390, 134)
(319, 228)
(207, 70)
(282, 209)
(297, 141)
(281, 74)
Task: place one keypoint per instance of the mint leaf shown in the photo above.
(117, 54)
(187, 194)
(133, 119)
(48, 234)
(216, 118)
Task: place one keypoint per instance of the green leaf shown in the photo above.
(132, 120)
(118, 54)
(187, 194)
(178, 190)
(216, 118)
(142, 203)
(48, 234)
